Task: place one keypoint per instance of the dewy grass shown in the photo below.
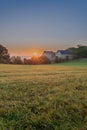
(43, 97)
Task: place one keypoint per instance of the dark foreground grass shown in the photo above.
(43, 97)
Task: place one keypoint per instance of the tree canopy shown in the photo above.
(4, 56)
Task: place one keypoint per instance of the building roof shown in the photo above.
(64, 52)
(49, 52)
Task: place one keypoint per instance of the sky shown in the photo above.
(29, 26)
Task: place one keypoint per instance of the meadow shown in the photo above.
(43, 97)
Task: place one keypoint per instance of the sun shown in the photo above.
(35, 54)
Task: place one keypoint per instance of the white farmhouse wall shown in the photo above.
(63, 56)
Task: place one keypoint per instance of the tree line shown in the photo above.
(77, 52)
(32, 61)
(7, 59)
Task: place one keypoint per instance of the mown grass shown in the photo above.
(43, 97)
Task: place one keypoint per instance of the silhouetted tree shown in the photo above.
(35, 60)
(79, 52)
(27, 61)
(82, 52)
(16, 60)
(56, 59)
(4, 56)
(44, 60)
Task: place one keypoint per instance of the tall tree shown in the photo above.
(4, 56)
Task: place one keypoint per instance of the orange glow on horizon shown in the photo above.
(35, 54)
(25, 52)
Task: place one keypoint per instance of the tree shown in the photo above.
(4, 56)
(79, 52)
(15, 60)
(43, 60)
(82, 51)
(35, 60)
(27, 61)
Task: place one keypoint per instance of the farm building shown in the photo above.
(50, 55)
(64, 54)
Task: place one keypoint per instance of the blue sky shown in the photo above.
(37, 25)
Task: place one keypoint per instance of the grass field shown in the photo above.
(78, 62)
(43, 97)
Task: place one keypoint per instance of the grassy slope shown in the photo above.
(43, 97)
(78, 62)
